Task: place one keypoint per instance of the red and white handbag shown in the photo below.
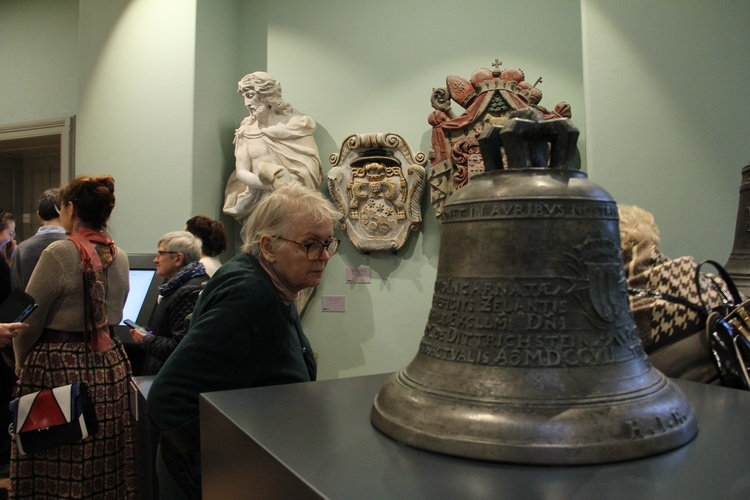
(51, 417)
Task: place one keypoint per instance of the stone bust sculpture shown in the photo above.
(273, 146)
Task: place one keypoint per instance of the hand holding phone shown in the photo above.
(17, 307)
(135, 326)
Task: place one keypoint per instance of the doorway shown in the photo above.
(33, 157)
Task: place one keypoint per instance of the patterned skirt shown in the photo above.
(102, 465)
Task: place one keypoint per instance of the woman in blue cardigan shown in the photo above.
(245, 330)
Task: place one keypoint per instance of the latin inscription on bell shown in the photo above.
(500, 209)
(521, 323)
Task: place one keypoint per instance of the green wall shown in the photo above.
(667, 101)
(361, 67)
(135, 116)
(39, 60)
(657, 89)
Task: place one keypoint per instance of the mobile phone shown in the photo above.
(17, 307)
(133, 324)
(26, 312)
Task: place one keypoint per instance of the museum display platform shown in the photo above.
(146, 441)
(315, 440)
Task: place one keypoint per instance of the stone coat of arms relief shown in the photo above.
(487, 98)
(377, 181)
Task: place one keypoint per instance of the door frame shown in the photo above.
(64, 127)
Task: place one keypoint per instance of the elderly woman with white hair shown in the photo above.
(245, 330)
(177, 260)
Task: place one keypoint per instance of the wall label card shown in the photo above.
(359, 274)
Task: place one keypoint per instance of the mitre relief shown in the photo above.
(488, 97)
(378, 183)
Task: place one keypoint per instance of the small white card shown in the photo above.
(359, 274)
(333, 303)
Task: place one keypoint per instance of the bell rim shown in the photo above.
(421, 423)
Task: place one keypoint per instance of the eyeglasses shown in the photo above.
(164, 252)
(315, 249)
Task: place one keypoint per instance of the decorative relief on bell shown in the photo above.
(377, 182)
(487, 98)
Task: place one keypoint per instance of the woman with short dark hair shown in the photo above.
(214, 239)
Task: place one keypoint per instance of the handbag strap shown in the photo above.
(728, 302)
(87, 323)
(642, 292)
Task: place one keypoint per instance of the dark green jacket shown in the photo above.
(241, 335)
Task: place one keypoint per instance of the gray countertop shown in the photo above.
(315, 440)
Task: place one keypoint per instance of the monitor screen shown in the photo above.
(140, 284)
(140, 304)
(144, 291)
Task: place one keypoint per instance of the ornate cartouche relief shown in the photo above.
(377, 181)
(487, 98)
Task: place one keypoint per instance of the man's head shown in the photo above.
(49, 205)
(259, 90)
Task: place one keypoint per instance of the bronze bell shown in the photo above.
(530, 353)
(738, 265)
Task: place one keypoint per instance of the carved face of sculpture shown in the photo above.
(253, 102)
(261, 95)
(289, 259)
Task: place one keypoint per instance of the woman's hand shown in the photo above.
(138, 336)
(9, 331)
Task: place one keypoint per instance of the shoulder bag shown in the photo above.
(51, 417)
(727, 325)
(728, 330)
(61, 415)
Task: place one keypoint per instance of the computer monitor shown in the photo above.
(144, 290)
(139, 305)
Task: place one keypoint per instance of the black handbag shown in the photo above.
(728, 331)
